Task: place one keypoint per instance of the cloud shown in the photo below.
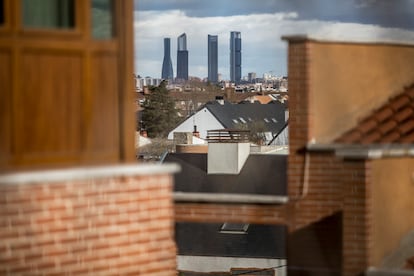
(262, 47)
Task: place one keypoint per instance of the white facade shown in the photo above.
(227, 158)
(204, 121)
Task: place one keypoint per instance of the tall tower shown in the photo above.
(235, 57)
(212, 58)
(182, 57)
(167, 69)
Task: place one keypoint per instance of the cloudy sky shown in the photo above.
(262, 23)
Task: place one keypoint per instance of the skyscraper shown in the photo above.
(235, 57)
(212, 58)
(182, 57)
(167, 69)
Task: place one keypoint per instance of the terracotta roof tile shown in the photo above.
(384, 113)
(387, 126)
(391, 138)
(399, 102)
(392, 123)
(371, 138)
(403, 114)
(407, 127)
(408, 138)
(367, 125)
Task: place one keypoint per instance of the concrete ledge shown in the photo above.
(386, 37)
(374, 151)
(388, 272)
(85, 173)
(229, 198)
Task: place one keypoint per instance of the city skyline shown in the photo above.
(262, 27)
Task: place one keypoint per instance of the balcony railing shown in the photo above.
(228, 136)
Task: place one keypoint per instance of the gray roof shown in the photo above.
(272, 115)
(263, 174)
(206, 239)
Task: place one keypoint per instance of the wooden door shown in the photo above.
(65, 93)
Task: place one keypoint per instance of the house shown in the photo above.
(211, 178)
(269, 118)
(73, 199)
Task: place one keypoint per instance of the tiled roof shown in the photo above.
(393, 123)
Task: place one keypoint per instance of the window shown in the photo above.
(57, 14)
(242, 120)
(266, 120)
(274, 120)
(235, 121)
(102, 19)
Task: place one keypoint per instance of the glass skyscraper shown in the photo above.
(235, 57)
(167, 69)
(182, 57)
(212, 58)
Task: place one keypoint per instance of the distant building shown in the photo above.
(235, 57)
(251, 76)
(182, 57)
(167, 69)
(212, 58)
(221, 114)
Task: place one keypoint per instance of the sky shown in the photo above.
(262, 23)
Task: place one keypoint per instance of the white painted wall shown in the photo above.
(222, 264)
(227, 158)
(204, 121)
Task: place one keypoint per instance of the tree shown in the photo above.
(257, 131)
(159, 115)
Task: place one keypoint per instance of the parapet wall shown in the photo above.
(112, 220)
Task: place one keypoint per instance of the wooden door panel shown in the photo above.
(5, 104)
(49, 93)
(104, 106)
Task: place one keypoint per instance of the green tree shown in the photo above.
(159, 115)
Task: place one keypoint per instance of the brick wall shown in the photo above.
(255, 214)
(357, 228)
(329, 198)
(106, 226)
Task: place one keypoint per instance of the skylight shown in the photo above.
(266, 120)
(235, 121)
(274, 120)
(242, 120)
(234, 228)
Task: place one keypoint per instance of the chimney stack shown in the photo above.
(196, 133)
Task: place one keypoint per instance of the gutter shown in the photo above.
(229, 198)
(374, 151)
